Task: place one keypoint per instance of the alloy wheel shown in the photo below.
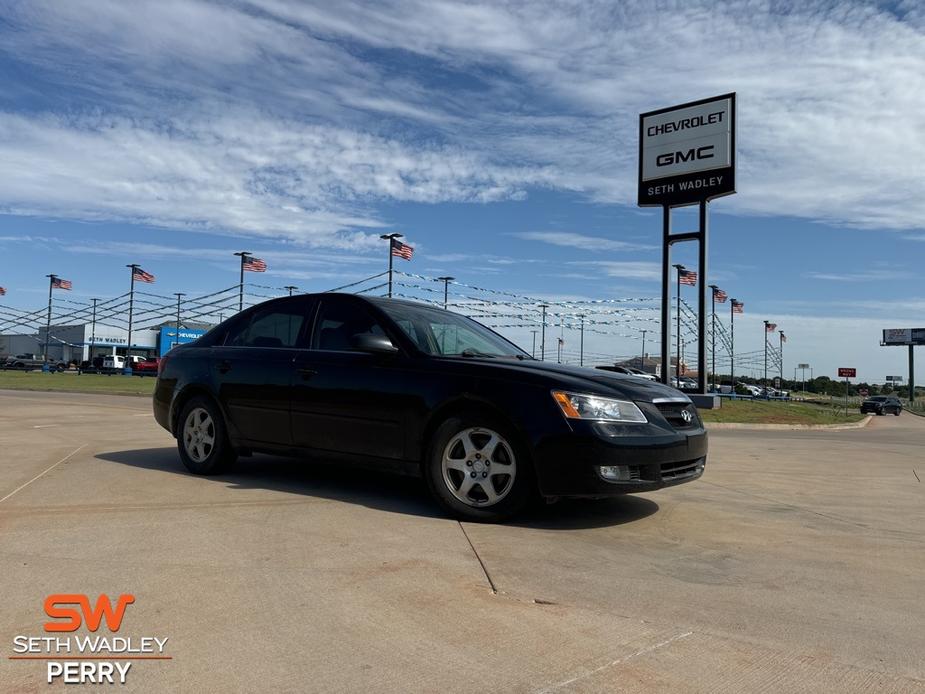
(479, 467)
(199, 435)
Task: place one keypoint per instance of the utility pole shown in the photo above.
(642, 358)
(581, 348)
(180, 295)
(92, 333)
(390, 238)
(543, 334)
(290, 288)
(533, 350)
(243, 255)
(446, 289)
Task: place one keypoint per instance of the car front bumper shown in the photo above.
(569, 464)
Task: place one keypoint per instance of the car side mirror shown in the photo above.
(374, 344)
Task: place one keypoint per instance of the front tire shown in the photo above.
(477, 469)
(202, 439)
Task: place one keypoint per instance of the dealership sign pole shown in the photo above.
(686, 157)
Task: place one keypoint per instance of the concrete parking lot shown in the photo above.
(795, 564)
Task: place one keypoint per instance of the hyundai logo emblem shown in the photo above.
(687, 416)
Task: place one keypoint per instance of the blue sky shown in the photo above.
(499, 138)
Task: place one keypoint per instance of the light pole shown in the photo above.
(533, 350)
(446, 289)
(642, 358)
(581, 342)
(290, 288)
(243, 255)
(180, 295)
(390, 238)
(543, 334)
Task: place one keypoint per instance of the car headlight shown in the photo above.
(595, 407)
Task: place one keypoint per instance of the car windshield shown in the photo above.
(443, 333)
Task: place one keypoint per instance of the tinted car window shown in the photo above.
(273, 328)
(339, 323)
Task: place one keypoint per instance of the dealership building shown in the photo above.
(84, 341)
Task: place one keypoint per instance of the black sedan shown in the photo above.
(406, 385)
(882, 404)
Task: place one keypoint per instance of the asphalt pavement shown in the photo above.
(794, 565)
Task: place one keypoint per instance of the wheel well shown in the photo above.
(184, 397)
(465, 406)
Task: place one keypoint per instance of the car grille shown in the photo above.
(679, 471)
(672, 412)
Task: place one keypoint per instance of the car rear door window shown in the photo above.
(272, 328)
(339, 323)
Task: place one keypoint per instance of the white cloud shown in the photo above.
(281, 118)
(632, 270)
(583, 242)
(861, 276)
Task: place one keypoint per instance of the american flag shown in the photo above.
(2, 291)
(720, 295)
(402, 250)
(140, 275)
(770, 327)
(254, 264)
(687, 277)
(58, 283)
(738, 306)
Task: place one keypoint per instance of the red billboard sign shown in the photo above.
(847, 372)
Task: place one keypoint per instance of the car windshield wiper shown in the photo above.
(469, 352)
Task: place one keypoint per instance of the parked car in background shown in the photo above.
(404, 385)
(882, 404)
(116, 362)
(31, 362)
(146, 367)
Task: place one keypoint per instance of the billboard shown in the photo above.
(169, 337)
(687, 152)
(904, 336)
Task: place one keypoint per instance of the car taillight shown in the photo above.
(160, 365)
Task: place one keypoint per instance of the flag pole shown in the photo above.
(543, 334)
(677, 368)
(131, 304)
(92, 334)
(51, 284)
(765, 354)
(243, 255)
(390, 238)
(732, 344)
(780, 334)
(713, 335)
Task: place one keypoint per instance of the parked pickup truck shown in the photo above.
(30, 362)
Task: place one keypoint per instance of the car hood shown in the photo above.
(580, 378)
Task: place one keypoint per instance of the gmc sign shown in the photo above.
(687, 152)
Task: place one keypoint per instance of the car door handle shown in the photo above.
(224, 366)
(307, 373)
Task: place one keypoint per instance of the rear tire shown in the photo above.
(478, 470)
(202, 438)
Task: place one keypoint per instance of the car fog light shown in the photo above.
(616, 473)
